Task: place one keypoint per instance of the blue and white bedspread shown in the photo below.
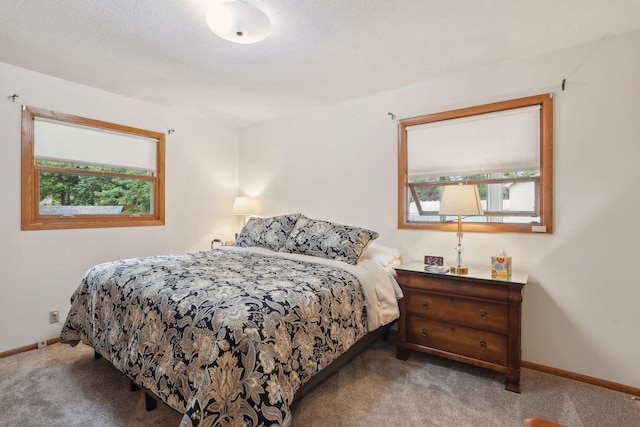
(224, 337)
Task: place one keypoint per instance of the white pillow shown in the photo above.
(387, 257)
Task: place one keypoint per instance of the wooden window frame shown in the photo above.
(32, 219)
(545, 199)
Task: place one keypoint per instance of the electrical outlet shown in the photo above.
(54, 316)
(42, 343)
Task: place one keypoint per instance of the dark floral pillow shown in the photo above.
(270, 233)
(328, 240)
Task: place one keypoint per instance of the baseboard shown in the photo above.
(26, 348)
(570, 375)
(582, 378)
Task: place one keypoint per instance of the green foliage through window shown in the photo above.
(69, 184)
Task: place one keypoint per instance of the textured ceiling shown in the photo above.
(320, 52)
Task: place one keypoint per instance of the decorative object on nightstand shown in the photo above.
(433, 260)
(440, 269)
(434, 264)
(473, 318)
(501, 265)
(245, 206)
(460, 200)
(219, 242)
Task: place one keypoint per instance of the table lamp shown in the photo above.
(245, 206)
(460, 200)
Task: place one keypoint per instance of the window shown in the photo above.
(504, 148)
(84, 173)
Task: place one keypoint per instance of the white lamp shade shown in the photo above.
(238, 22)
(245, 206)
(460, 200)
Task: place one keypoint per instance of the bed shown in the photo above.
(228, 336)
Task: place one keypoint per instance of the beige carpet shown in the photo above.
(64, 386)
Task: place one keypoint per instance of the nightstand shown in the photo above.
(471, 318)
(220, 242)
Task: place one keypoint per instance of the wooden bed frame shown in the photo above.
(343, 359)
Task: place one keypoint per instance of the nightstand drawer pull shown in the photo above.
(425, 304)
(425, 332)
(483, 314)
(483, 345)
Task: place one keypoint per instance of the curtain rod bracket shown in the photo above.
(564, 82)
(393, 116)
(170, 131)
(13, 97)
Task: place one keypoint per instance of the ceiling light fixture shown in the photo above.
(239, 22)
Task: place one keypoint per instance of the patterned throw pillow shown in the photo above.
(328, 240)
(270, 233)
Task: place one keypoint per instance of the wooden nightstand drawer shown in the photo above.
(470, 342)
(450, 309)
(443, 284)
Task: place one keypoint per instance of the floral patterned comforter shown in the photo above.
(225, 338)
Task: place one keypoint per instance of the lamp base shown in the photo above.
(458, 269)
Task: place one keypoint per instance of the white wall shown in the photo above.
(39, 270)
(581, 308)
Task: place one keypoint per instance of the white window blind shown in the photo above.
(494, 142)
(76, 144)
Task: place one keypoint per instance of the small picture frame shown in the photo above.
(433, 260)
